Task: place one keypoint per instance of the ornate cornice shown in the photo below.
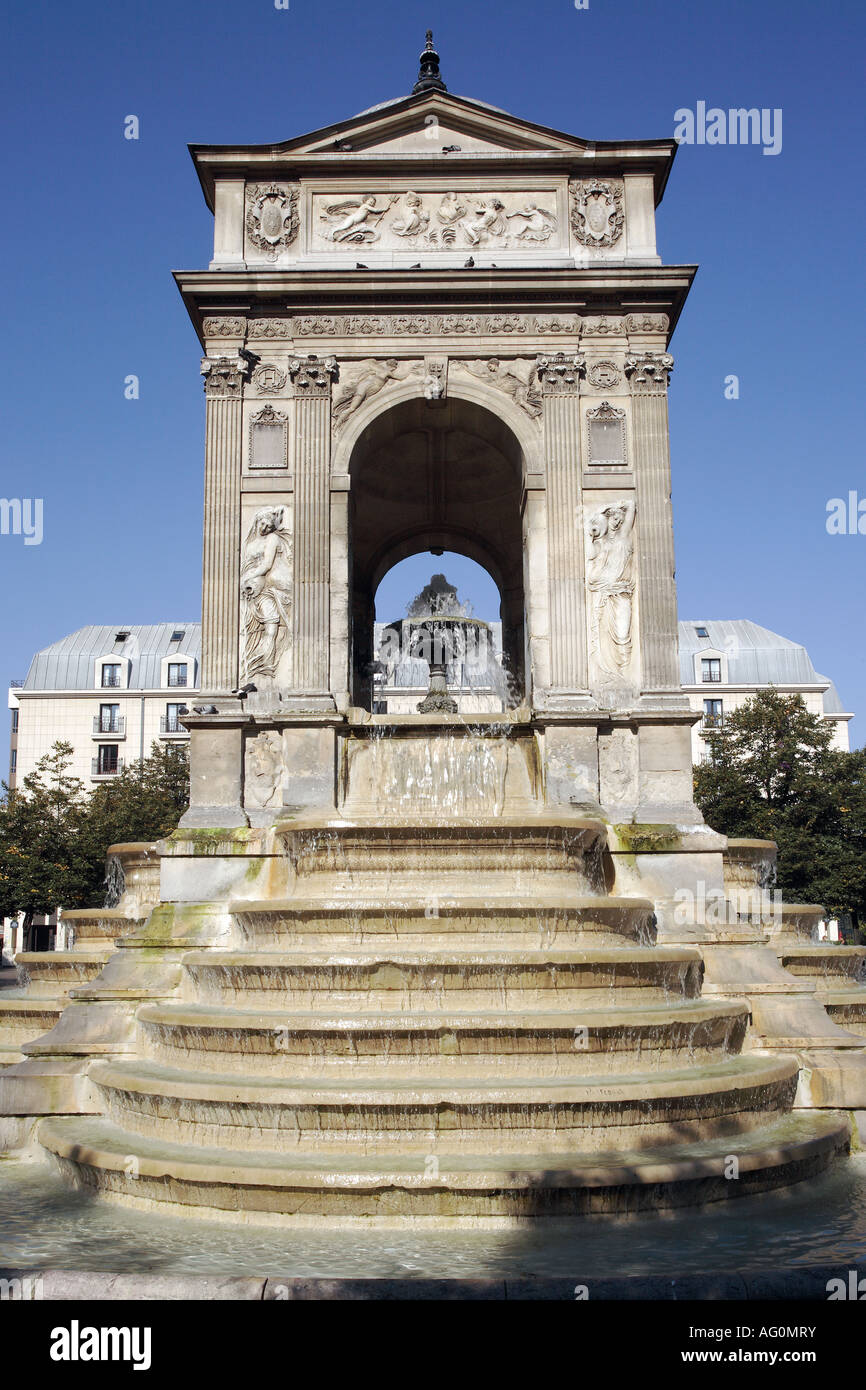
(415, 325)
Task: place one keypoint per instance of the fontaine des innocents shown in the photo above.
(426, 967)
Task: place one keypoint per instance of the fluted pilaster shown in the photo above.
(222, 509)
(649, 374)
(311, 379)
(560, 380)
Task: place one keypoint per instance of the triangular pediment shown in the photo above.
(405, 125)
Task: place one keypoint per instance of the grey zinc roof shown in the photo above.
(68, 663)
(756, 656)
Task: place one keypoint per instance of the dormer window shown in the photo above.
(110, 673)
(711, 668)
(177, 673)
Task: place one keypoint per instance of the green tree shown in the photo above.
(43, 862)
(771, 774)
(54, 835)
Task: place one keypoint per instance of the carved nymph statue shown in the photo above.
(610, 579)
(266, 594)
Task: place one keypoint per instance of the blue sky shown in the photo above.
(94, 224)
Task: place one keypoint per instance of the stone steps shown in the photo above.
(419, 981)
(515, 1043)
(512, 921)
(503, 1188)
(580, 1112)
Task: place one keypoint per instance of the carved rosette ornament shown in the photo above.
(560, 373)
(272, 216)
(223, 376)
(312, 375)
(649, 372)
(597, 218)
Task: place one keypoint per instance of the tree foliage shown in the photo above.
(772, 775)
(54, 834)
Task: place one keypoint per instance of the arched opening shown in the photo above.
(435, 477)
(421, 585)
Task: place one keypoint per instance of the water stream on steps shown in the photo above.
(45, 1225)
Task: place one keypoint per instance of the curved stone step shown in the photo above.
(454, 1190)
(100, 924)
(518, 1043)
(824, 962)
(54, 973)
(24, 1018)
(578, 1112)
(532, 854)
(845, 1002)
(568, 920)
(419, 980)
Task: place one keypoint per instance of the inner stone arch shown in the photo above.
(436, 476)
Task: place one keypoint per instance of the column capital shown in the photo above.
(649, 372)
(312, 375)
(224, 376)
(560, 372)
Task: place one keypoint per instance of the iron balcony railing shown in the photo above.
(115, 724)
(170, 724)
(98, 768)
(713, 721)
(178, 680)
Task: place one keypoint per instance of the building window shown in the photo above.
(110, 673)
(106, 762)
(711, 668)
(714, 716)
(177, 635)
(109, 719)
(702, 634)
(15, 721)
(13, 761)
(177, 673)
(172, 724)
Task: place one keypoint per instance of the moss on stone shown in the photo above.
(647, 838)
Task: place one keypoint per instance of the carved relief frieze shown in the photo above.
(647, 323)
(436, 220)
(515, 378)
(362, 380)
(603, 326)
(224, 328)
(416, 325)
(597, 218)
(272, 217)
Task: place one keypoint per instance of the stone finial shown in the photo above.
(429, 79)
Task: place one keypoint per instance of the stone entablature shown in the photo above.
(582, 219)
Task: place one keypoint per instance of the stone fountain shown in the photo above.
(440, 630)
(422, 968)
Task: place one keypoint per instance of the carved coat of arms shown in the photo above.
(597, 217)
(272, 216)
